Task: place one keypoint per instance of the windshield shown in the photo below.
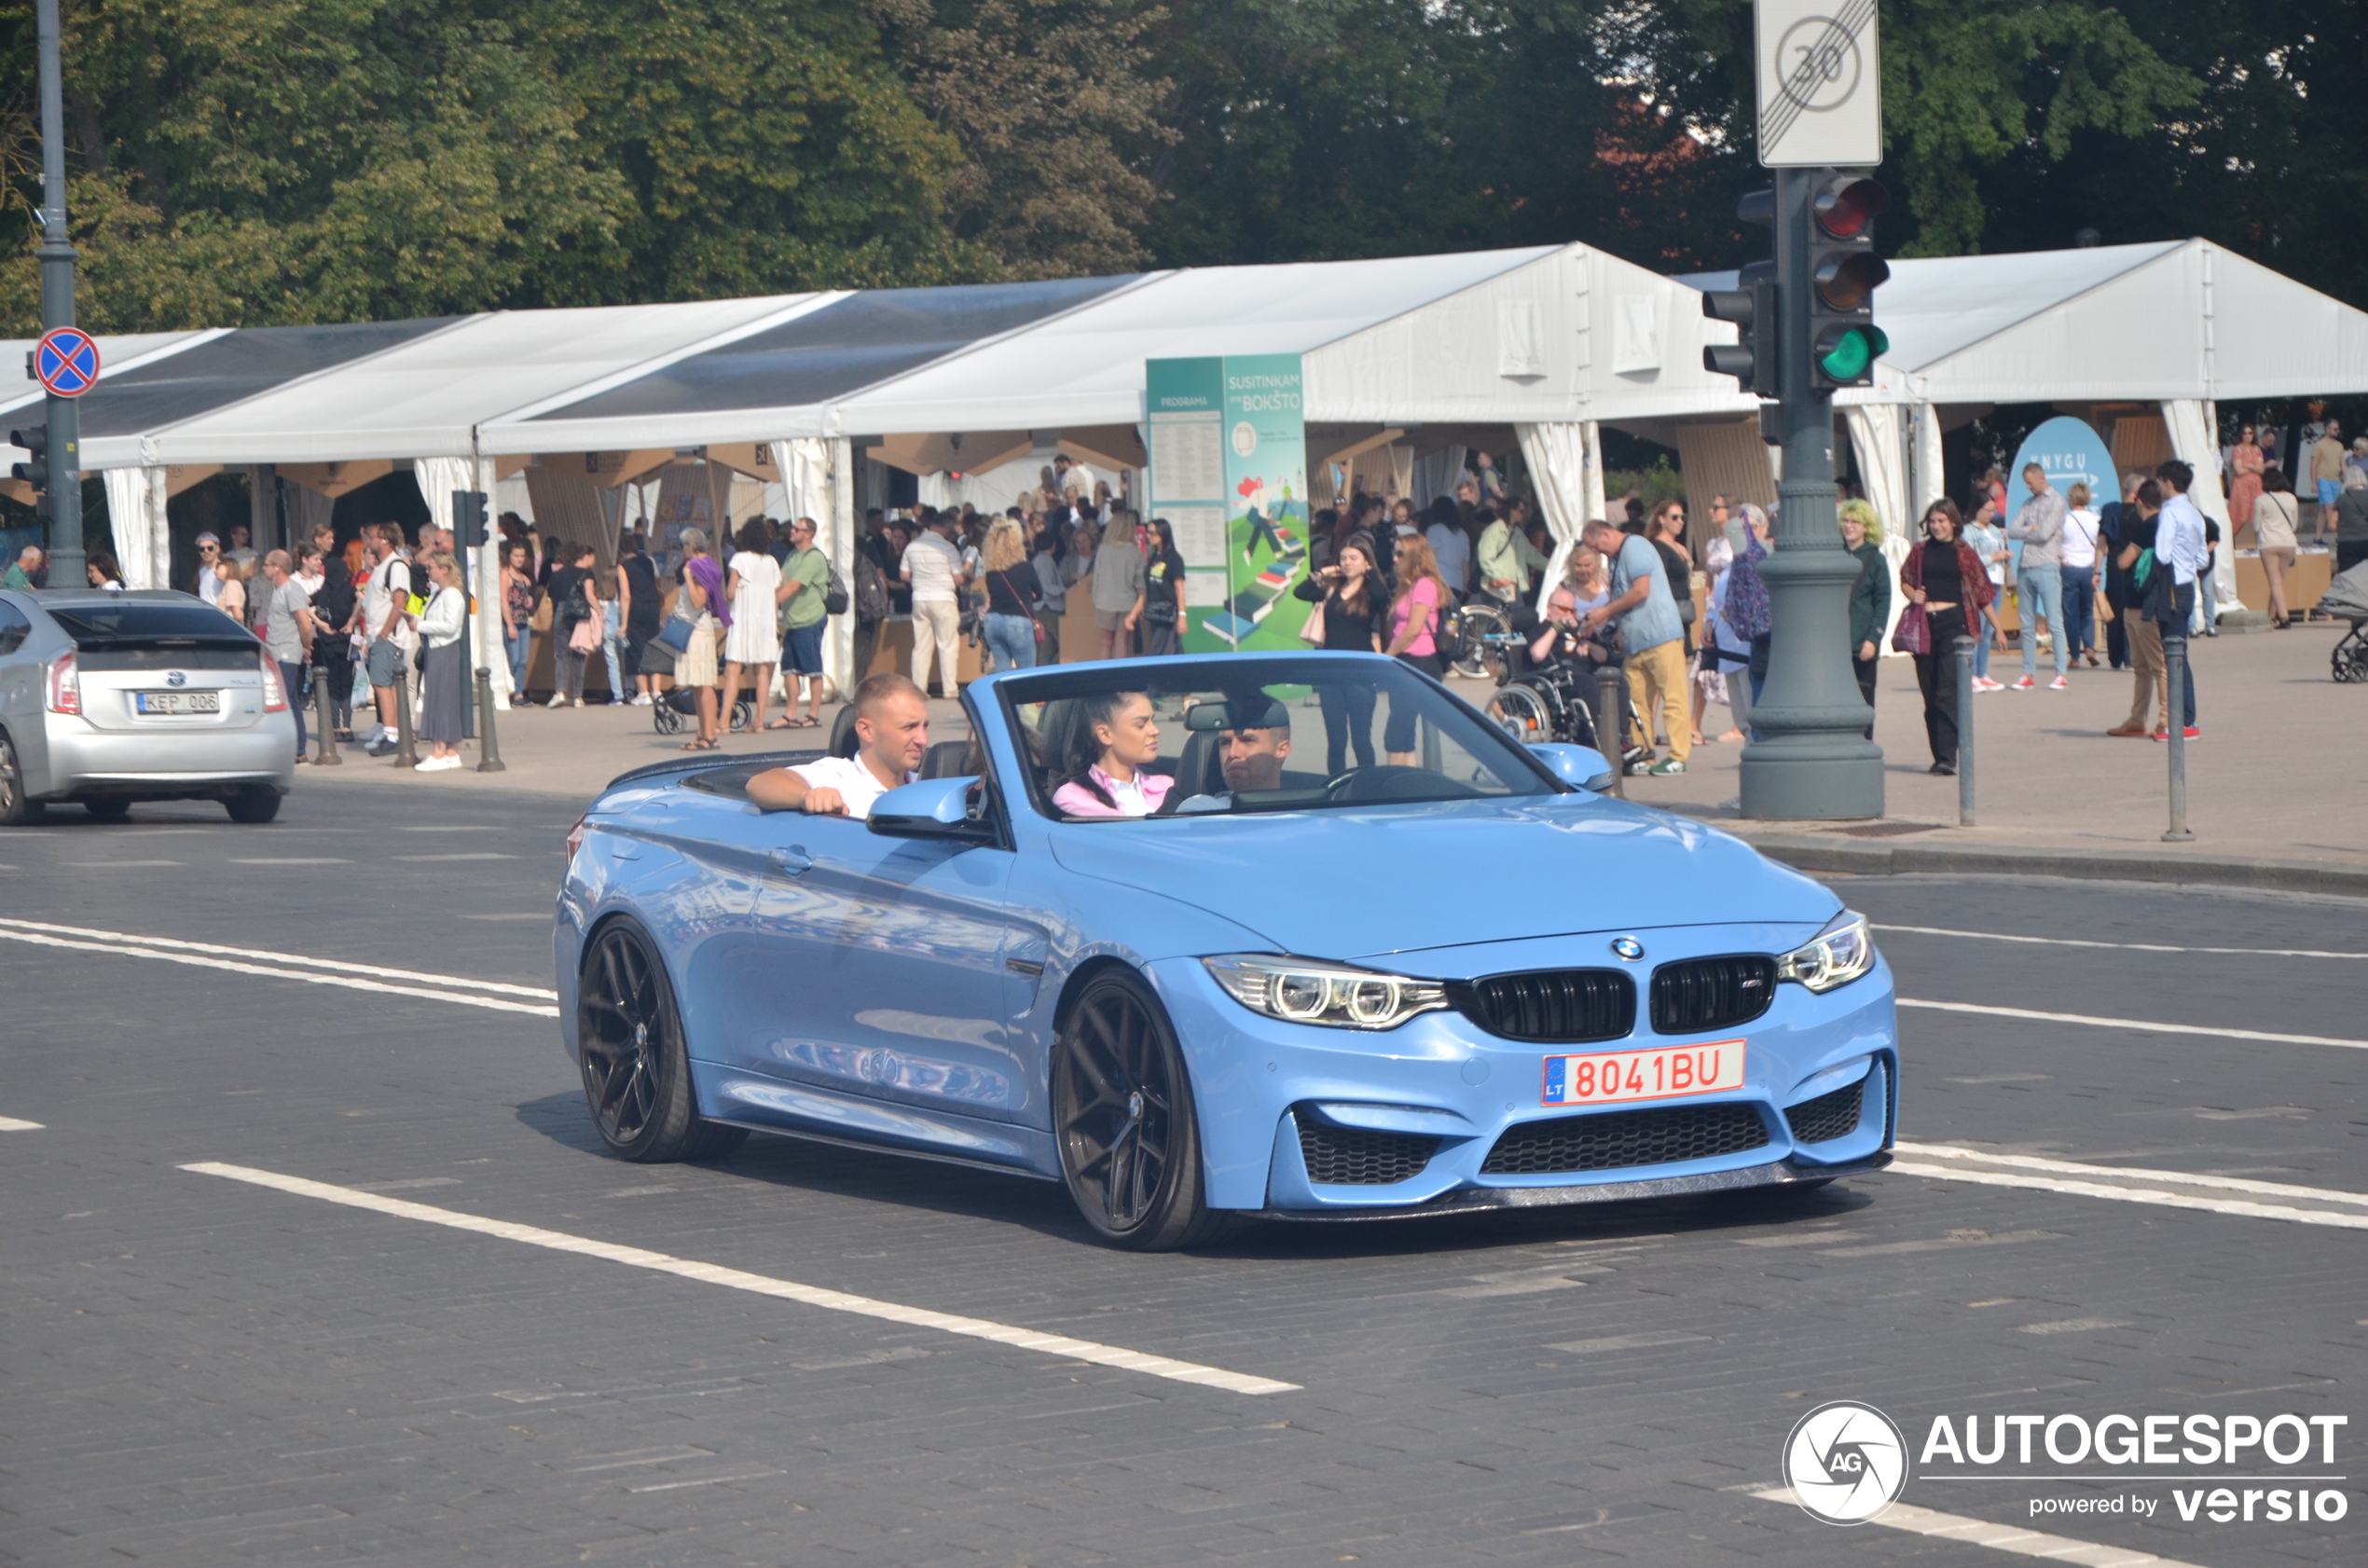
(1236, 734)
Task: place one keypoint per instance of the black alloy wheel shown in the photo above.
(1123, 1111)
(15, 810)
(637, 1073)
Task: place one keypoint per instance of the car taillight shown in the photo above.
(575, 835)
(275, 695)
(65, 685)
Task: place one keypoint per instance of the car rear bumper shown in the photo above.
(84, 762)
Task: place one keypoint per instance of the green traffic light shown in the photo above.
(1852, 354)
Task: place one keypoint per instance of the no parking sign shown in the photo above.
(67, 361)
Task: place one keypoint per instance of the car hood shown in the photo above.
(1380, 880)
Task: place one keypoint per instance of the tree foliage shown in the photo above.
(251, 161)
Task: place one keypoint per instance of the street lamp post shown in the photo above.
(65, 493)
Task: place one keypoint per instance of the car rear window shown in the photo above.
(190, 623)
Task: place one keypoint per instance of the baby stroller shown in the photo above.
(2346, 599)
(679, 705)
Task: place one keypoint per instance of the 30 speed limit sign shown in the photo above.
(1821, 85)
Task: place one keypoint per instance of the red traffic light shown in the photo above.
(1846, 204)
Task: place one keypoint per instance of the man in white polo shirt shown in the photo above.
(891, 734)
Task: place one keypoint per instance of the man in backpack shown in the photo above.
(805, 577)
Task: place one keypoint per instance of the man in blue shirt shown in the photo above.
(2180, 551)
(1651, 637)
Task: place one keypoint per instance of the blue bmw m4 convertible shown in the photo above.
(1184, 935)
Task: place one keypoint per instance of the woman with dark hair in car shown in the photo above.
(1116, 738)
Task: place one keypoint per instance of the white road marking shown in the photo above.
(2073, 1168)
(2125, 946)
(2072, 1325)
(290, 860)
(1649, 1341)
(10, 1124)
(378, 987)
(335, 965)
(2133, 1194)
(759, 1285)
(114, 865)
(2000, 1537)
(2143, 1023)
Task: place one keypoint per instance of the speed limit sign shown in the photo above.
(1821, 85)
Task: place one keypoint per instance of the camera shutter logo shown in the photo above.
(1846, 1462)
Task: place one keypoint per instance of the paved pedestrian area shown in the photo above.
(200, 1368)
(2280, 773)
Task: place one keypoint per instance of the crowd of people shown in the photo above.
(711, 622)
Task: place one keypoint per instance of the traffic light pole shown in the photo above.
(1808, 761)
(57, 310)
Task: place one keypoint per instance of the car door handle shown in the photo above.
(793, 861)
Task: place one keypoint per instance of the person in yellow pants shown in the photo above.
(1644, 605)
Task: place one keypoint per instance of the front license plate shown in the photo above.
(1643, 1075)
(179, 702)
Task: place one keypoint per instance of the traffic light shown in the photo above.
(468, 517)
(34, 439)
(1751, 359)
(1844, 271)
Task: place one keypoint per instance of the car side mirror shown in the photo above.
(1581, 767)
(939, 808)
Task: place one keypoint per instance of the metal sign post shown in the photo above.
(1819, 107)
(56, 256)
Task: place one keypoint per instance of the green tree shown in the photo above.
(1046, 100)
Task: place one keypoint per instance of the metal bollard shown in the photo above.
(324, 721)
(2175, 696)
(1965, 651)
(1611, 724)
(406, 753)
(488, 750)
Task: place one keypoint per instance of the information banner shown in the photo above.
(1228, 446)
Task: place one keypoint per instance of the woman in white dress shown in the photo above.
(753, 645)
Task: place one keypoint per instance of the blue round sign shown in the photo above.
(67, 361)
(2070, 453)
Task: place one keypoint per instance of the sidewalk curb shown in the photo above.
(1818, 854)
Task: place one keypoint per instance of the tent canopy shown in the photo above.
(2178, 318)
(425, 395)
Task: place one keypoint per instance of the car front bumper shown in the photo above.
(1439, 1077)
(83, 762)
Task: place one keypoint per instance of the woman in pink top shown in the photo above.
(1117, 736)
(1413, 617)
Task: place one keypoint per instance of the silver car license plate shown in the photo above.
(178, 702)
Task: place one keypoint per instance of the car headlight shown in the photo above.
(1304, 991)
(1839, 953)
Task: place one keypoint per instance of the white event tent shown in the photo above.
(2143, 341)
(1408, 360)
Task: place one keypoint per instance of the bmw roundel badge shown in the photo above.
(177, 678)
(1628, 948)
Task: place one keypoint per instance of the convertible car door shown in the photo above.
(881, 968)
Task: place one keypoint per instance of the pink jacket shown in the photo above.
(1078, 800)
